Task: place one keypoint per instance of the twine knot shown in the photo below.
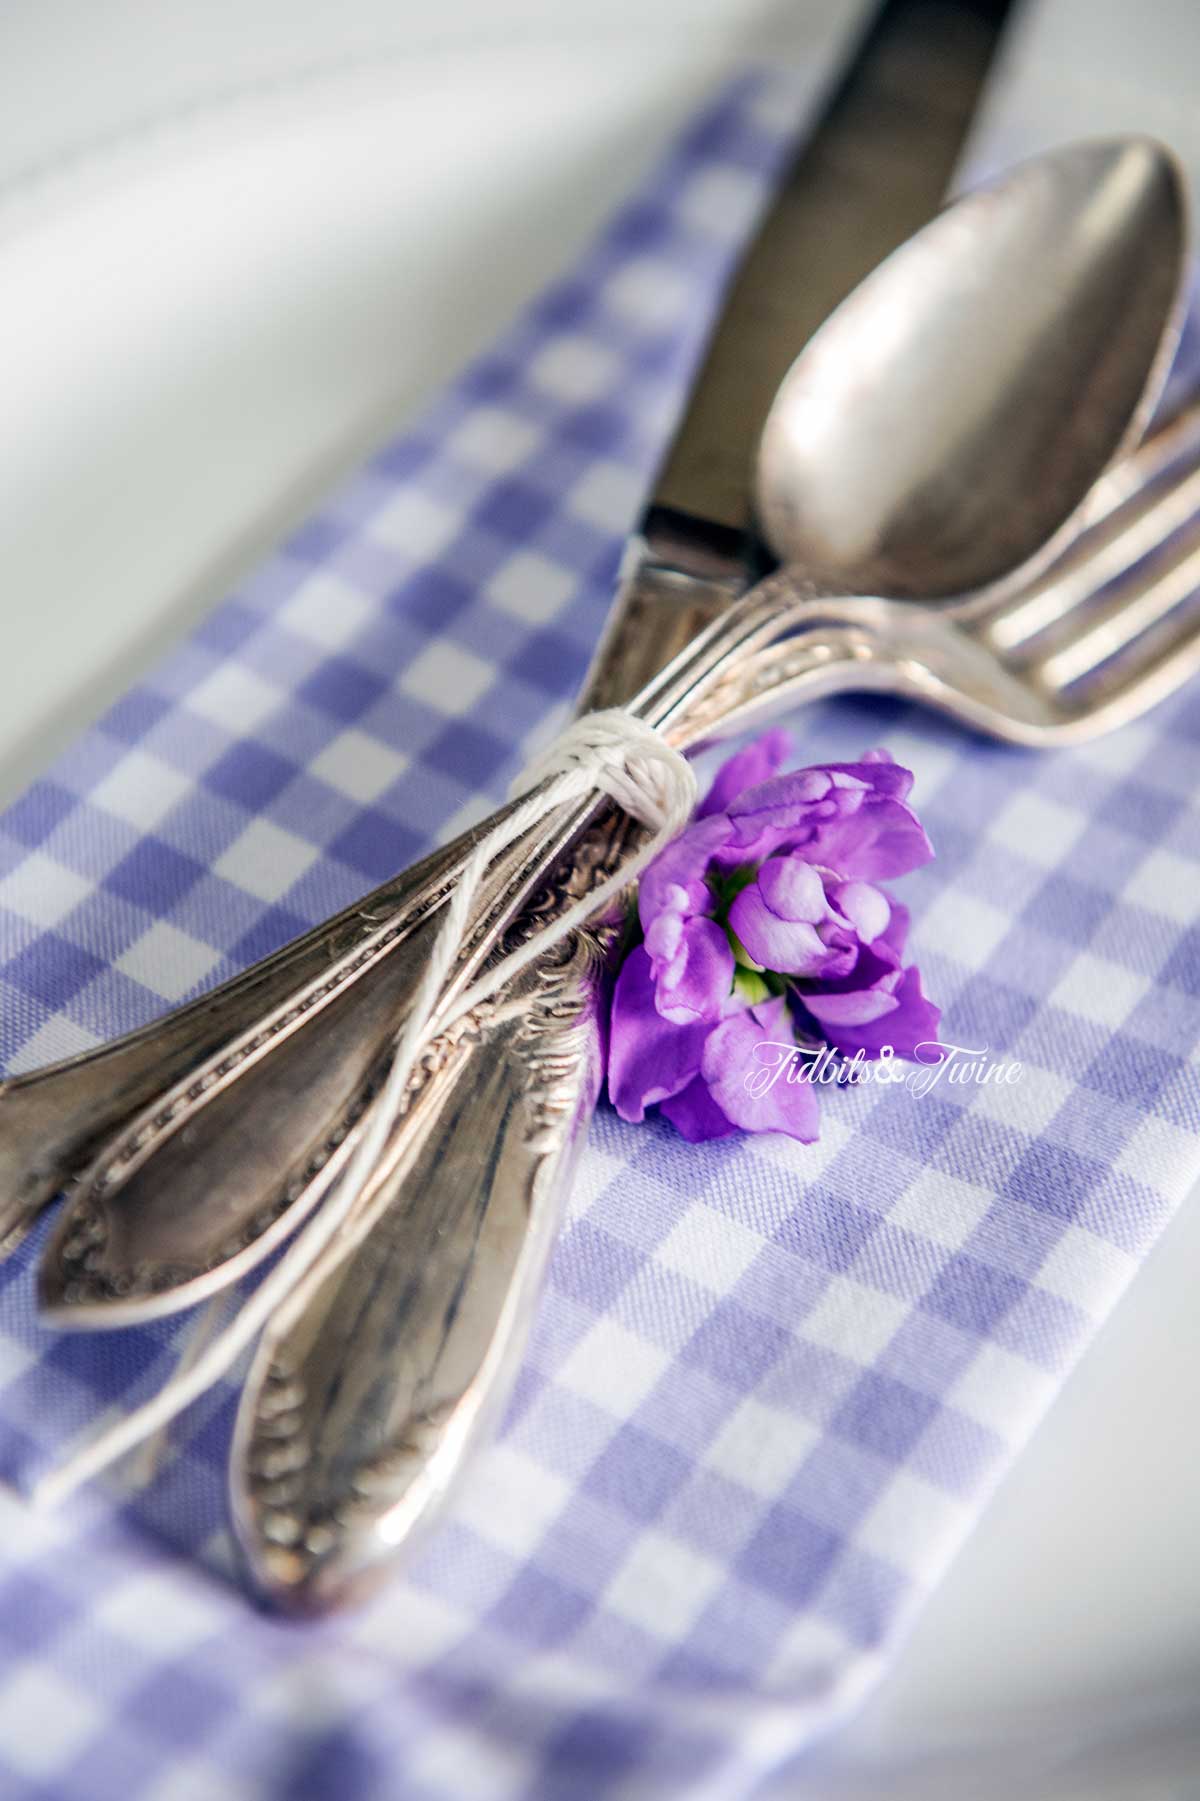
(626, 758)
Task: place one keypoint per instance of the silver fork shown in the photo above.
(1107, 631)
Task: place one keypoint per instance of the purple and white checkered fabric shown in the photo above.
(769, 1385)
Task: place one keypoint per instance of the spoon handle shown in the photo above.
(377, 1377)
(382, 1372)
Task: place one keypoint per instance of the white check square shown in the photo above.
(647, 291)
(42, 890)
(234, 698)
(607, 495)
(854, 1320)
(663, 1586)
(494, 440)
(1039, 829)
(710, 1248)
(44, 1720)
(140, 789)
(358, 765)
(1099, 990)
(447, 677)
(532, 587)
(326, 610)
(940, 1208)
(1086, 1270)
(414, 524)
(1166, 883)
(914, 1525)
(574, 369)
(265, 860)
(1002, 1391)
(613, 1367)
(761, 1448)
(168, 961)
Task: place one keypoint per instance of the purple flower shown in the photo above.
(764, 924)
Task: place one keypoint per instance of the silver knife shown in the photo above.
(387, 1365)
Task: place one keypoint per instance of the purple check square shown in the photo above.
(736, 1346)
(790, 1556)
(539, 1611)
(52, 970)
(637, 1473)
(884, 1416)
(40, 809)
(972, 1295)
(1054, 1179)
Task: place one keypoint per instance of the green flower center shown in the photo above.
(750, 979)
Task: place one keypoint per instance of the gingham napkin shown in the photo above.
(769, 1385)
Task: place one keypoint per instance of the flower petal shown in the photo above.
(696, 982)
(895, 935)
(648, 1058)
(880, 770)
(793, 889)
(911, 1022)
(858, 1007)
(868, 910)
(745, 769)
(733, 1073)
(790, 946)
(880, 838)
(694, 1113)
(679, 871)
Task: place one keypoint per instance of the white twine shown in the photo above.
(611, 752)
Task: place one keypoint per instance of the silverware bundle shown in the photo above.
(959, 431)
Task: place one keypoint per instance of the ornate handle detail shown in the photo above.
(383, 1371)
(372, 1384)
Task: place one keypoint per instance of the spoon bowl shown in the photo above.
(936, 436)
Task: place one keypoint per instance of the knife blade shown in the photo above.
(383, 1369)
(875, 169)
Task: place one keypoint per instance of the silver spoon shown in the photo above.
(937, 434)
